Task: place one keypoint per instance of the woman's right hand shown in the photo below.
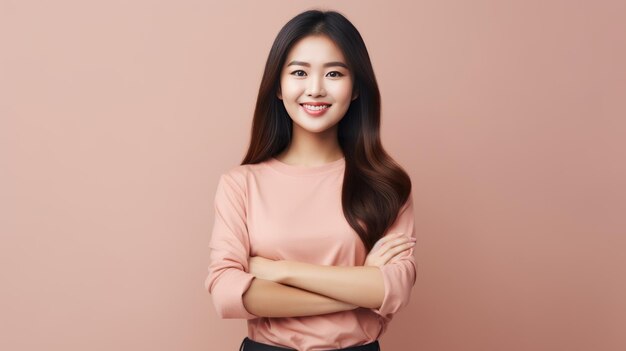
(388, 247)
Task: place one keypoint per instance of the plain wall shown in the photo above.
(117, 118)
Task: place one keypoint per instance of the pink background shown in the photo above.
(117, 117)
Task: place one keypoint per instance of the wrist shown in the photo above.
(283, 271)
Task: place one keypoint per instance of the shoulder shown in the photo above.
(237, 177)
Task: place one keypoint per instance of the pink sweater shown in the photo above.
(287, 212)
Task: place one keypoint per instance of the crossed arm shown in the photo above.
(290, 288)
(265, 298)
(280, 286)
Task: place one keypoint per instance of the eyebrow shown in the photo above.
(327, 64)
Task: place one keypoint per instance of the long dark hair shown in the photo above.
(375, 187)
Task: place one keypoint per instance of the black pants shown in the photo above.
(250, 345)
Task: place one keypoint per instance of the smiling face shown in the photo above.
(316, 73)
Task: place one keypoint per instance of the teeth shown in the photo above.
(315, 108)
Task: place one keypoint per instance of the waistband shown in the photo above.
(250, 345)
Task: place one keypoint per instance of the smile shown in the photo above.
(315, 110)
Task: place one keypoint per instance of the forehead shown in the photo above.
(315, 49)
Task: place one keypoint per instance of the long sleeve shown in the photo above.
(228, 278)
(399, 276)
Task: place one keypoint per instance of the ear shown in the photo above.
(355, 95)
(279, 94)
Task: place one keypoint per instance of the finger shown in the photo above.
(399, 241)
(402, 248)
(396, 250)
(385, 239)
(387, 256)
(389, 237)
(395, 258)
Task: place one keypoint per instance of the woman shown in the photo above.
(313, 236)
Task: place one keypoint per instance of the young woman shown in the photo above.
(313, 236)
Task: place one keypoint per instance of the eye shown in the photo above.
(337, 73)
(297, 75)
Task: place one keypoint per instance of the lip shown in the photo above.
(315, 113)
(314, 103)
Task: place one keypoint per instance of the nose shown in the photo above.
(315, 86)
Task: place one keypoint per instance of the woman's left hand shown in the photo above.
(264, 268)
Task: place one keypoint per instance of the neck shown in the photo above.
(312, 149)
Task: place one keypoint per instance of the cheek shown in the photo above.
(290, 88)
(342, 92)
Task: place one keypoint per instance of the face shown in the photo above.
(316, 73)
